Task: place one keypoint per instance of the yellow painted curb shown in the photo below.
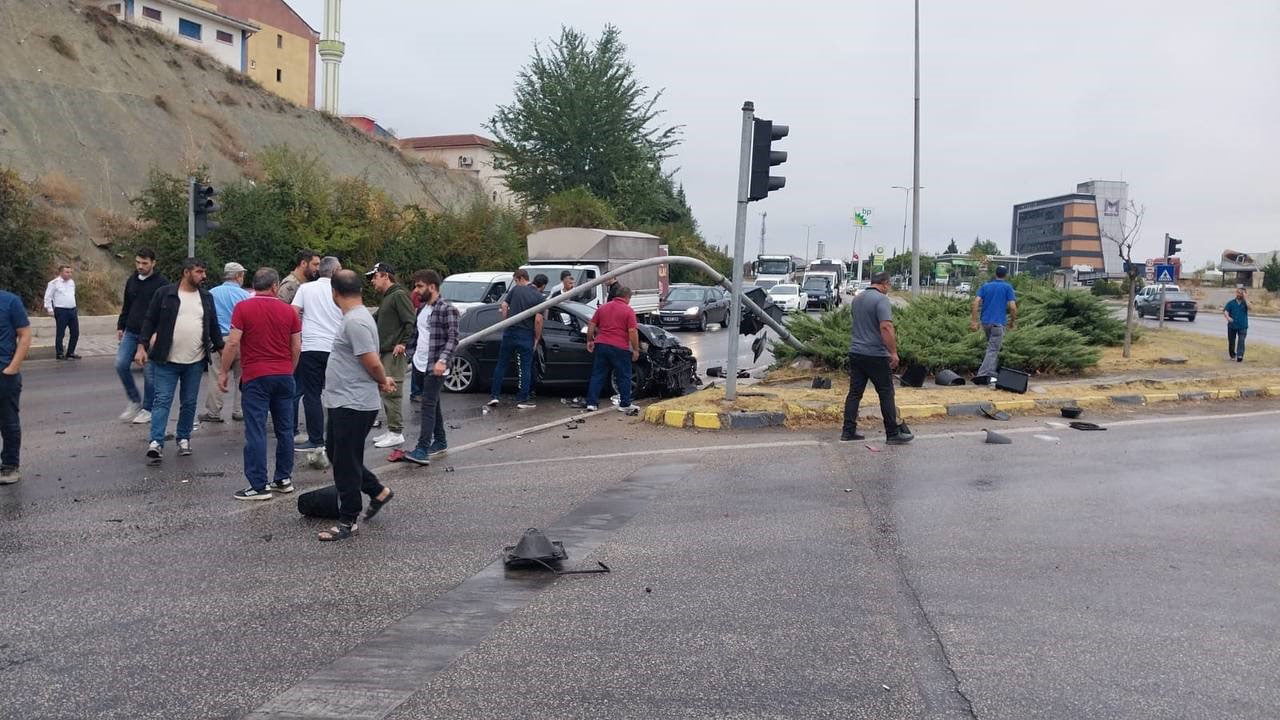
(1274, 391)
(1014, 405)
(706, 420)
(1160, 397)
(1228, 394)
(907, 412)
(674, 418)
(1093, 401)
(653, 414)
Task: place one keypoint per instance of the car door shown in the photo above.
(565, 349)
(717, 307)
(485, 350)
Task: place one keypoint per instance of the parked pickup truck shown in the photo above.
(589, 253)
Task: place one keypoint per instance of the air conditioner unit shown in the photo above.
(464, 161)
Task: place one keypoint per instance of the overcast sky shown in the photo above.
(1020, 101)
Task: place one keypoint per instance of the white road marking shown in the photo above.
(647, 453)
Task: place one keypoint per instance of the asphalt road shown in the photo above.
(1128, 573)
(1261, 329)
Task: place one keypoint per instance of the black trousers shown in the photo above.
(344, 446)
(66, 319)
(875, 369)
(308, 379)
(10, 422)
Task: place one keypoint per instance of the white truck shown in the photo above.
(589, 253)
(774, 269)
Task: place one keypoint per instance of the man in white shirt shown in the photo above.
(321, 319)
(60, 302)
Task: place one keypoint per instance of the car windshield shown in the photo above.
(773, 267)
(463, 291)
(785, 290)
(816, 284)
(686, 294)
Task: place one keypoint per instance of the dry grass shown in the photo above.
(96, 292)
(63, 48)
(1201, 351)
(112, 228)
(103, 23)
(162, 103)
(226, 98)
(59, 190)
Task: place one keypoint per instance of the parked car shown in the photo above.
(964, 287)
(665, 368)
(1176, 304)
(818, 293)
(693, 306)
(787, 296)
(468, 290)
(1147, 291)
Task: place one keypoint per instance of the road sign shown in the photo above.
(1166, 274)
(862, 218)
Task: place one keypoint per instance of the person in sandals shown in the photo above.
(352, 380)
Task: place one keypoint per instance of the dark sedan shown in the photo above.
(818, 293)
(665, 367)
(693, 306)
(1176, 304)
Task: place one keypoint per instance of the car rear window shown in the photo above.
(1178, 296)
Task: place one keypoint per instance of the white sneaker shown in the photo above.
(591, 408)
(389, 440)
(300, 438)
(493, 402)
(526, 405)
(184, 447)
(130, 411)
(142, 418)
(628, 409)
(380, 438)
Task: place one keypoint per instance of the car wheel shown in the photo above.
(640, 376)
(462, 374)
(1191, 317)
(702, 322)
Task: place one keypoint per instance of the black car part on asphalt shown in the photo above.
(534, 549)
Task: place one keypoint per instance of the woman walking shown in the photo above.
(1237, 314)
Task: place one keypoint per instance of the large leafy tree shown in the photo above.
(581, 119)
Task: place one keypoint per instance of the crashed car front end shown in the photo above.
(673, 368)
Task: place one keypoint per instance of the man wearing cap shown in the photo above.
(996, 305)
(873, 355)
(225, 298)
(395, 326)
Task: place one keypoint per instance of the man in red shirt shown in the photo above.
(266, 334)
(614, 340)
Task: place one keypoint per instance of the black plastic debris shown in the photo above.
(822, 383)
(994, 414)
(947, 378)
(1014, 381)
(1082, 425)
(757, 348)
(1071, 412)
(914, 375)
(535, 550)
(995, 438)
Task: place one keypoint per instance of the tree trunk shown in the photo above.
(1128, 318)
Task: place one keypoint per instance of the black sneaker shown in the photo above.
(281, 486)
(901, 437)
(850, 437)
(251, 494)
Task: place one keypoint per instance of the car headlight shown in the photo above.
(691, 311)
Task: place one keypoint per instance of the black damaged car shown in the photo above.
(666, 368)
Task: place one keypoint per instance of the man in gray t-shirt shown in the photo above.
(873, 356)
(352, 380)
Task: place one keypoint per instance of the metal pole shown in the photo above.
(739, 250)
(807, 228)
(915, 175)
(1164, 261)
(191, 217)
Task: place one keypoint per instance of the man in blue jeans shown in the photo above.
(996, 306)
(266, 337)
(614, 339)
(520, 339)
(180, 335)
(138, 291)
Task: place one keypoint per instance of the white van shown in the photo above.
(467, 290)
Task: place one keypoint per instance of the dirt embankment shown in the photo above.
(88, 106)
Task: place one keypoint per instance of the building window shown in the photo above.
(225, 37)
(151, 13)
(114, 8)
(253, 64)
(279, 41)
(279, 75)
(189, 29)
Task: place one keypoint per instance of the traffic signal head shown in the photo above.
(203, 207)
(764, 157)
(1172, 246)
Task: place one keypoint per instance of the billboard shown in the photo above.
(862, 217)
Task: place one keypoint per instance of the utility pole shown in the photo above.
(191, 217)
(915, 175)
(906, 201)
(763, 217)
(807, 229)
(739, 250)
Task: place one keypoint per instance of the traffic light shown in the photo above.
(203, 208)
(1171, 246)
(764, 157)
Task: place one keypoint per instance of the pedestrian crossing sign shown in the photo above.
(1165, 274)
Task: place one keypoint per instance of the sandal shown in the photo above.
(375, 505)
(341, 531)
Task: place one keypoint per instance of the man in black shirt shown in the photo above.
(137, 298)
(519, 339)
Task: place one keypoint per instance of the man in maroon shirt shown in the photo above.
(614, 340)
(266, 334)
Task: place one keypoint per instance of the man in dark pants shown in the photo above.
(60, 302)
(353, 377)
(520, 340)
(320, 321)
(266, 338)
(15, 341)
(873, 355)
(435, 336)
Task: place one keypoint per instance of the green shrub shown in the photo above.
(27, 248)
(1106, 288)
(1081, 312)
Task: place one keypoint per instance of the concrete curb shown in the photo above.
(657, 415)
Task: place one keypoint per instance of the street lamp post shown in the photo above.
(915, 174)
(906, 201)
(807, 228)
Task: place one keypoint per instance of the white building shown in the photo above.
(472, 153)
(193, 22)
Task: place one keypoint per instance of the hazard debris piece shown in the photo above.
(872, 448)
(534, 550)
(994, 414)
(1082, 425)
(822, 383)
(995, 438)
